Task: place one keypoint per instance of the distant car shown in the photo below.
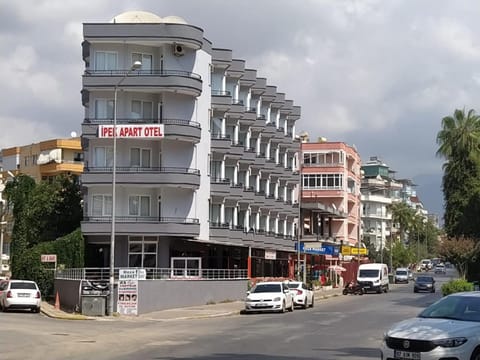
(426, 264)
(302, 295)
(440, 269)
(424, 283)
(20, 294)
(401, 275)
(447, 329)
(269, 296)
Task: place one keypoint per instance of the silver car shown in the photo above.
(401, 275)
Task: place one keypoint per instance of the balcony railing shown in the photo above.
(141, 219)
(139, 169)
(220, 93)
(182, 122)
(152, 72)
(154, 274)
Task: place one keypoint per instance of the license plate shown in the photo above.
(23, 295)
(406, 355)
(261, 305)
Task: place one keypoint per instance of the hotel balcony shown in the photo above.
(155, 80)
(126, 225)
(175, 129)
(165, 176)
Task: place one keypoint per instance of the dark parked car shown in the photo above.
(424, 283)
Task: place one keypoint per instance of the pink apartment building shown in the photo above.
(330, 193)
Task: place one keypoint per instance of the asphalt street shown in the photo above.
(343, 327)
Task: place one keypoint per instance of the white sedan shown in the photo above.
(20, 294)
(447, 329)
(269, 296)
(302, 295)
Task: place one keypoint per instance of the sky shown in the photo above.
(376, 74)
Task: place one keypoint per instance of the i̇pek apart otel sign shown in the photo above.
(143, 131)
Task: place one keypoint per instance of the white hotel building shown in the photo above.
(218, 187)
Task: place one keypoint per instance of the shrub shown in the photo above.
(455, 286)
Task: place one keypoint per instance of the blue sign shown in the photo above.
(322, 250)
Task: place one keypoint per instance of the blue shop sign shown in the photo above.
(322, 250)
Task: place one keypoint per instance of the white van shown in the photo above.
(373, 277)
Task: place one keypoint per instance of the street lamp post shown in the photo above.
(136, 65)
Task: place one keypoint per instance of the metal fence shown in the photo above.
(155, 274)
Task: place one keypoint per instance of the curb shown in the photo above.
(64, 317)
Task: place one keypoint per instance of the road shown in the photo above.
(342, 327)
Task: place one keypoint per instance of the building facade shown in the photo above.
(205, 152)
(46, 159)
(379, 190)
(330, 193)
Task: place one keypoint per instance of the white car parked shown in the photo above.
(20, 294)
(269, 296)
(302, 295)
(447, 329)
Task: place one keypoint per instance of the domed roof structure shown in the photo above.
(146, 17)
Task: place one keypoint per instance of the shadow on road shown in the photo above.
(346, 352)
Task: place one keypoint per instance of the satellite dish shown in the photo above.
(73, 134)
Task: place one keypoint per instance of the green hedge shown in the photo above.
(455, 286)
(70, 254)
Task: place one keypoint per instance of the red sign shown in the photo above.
(144, 131)
(48, 258)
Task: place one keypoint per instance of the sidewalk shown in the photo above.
(220, 309)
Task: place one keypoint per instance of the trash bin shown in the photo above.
(94, 297)
(391, 278)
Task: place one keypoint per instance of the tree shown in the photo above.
(402, 215)
(42, 212)
(460, 251)
(459, 145)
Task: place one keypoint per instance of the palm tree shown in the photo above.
(459, 145)
(460, 135)
(402, 215)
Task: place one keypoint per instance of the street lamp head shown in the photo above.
(136, 65)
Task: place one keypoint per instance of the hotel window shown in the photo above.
(140, 157)
(103, 157)
(105, 60)
(104, 109)
(145, 59)
(138, 205)
(102, 205)
(323, 181)
(142, 251)
(142, 110)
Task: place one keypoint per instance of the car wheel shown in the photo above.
(379, 290)
(284, 308)
(386, 289)
(305, 303)
(476, 354)
(313, 301)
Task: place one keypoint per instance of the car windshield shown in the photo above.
(267, 288)
(293, 285)
(465, 308)
(368, 273)
(401, 272)
(23, 285)
(425, 279)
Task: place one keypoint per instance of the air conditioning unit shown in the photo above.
(178, 50)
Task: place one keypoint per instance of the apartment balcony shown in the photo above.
(249, 116)
(155, 80)
(54, 168)
(175, 129)
(157, 176)
(221, 100)
(237, 109)
(236, 150)
(141, 225)
(219, 186)
(376, 199)
(188, 35)
(236, 190)
(221, 142)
